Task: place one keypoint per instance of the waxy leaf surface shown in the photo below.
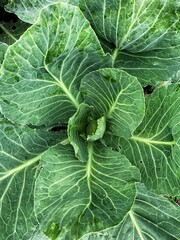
(80, 197)
(117, 96)
(151, 217)
(154, 146)
(41, 72)
(20, 151)
(28, 10)
(143, 36)
(134, 26)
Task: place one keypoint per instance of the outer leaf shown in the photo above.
(82, 197)
(42, 71)
(20, 150)
(161, 64)
(154, 148)
(28, 10)
(39, 236)
(175, 125)
(133, 25)
(143, 36)
(117, 96)
(151, 217)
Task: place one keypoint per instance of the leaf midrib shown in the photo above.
(135, 224)
(88, 170)
(149, 141)
(63, 88)
(21, 167)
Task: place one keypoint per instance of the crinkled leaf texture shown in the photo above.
(114, 103)
(20, 151)
(57, 76)
(117, 96)
(151, 217)
(143, 36)
(28, 10)
(154, 146)
(80, 197)
(41, 72)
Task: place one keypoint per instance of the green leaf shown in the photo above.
(20, 151)
(151, 217)
(28, 10)
(41, 72)
(77, 131)
(100, 127)
(143, 36)
(150, 67)
(154, 146)
(117, 96)
(82, 128)
(131, 25)
(80, 197)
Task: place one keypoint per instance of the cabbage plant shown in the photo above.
(90, 120)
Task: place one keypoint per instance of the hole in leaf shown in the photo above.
(14, 27)
(174, 200)
(148, 90)
(115, 149)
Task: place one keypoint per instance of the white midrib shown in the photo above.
(111, 110)
(21, 167)
(114, 55)
(136, 225)
(63, 88)
(149, 141)
(88, 170)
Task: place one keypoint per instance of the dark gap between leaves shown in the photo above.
(58, 128)
(173, 200)
(6, 16)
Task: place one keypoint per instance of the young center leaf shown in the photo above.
(75, 198)
(20, 151)
(151, 217)
(77, 126)
(84, 127)
(154, 146)
(143, 36)
(41, 72)
(116, 96)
